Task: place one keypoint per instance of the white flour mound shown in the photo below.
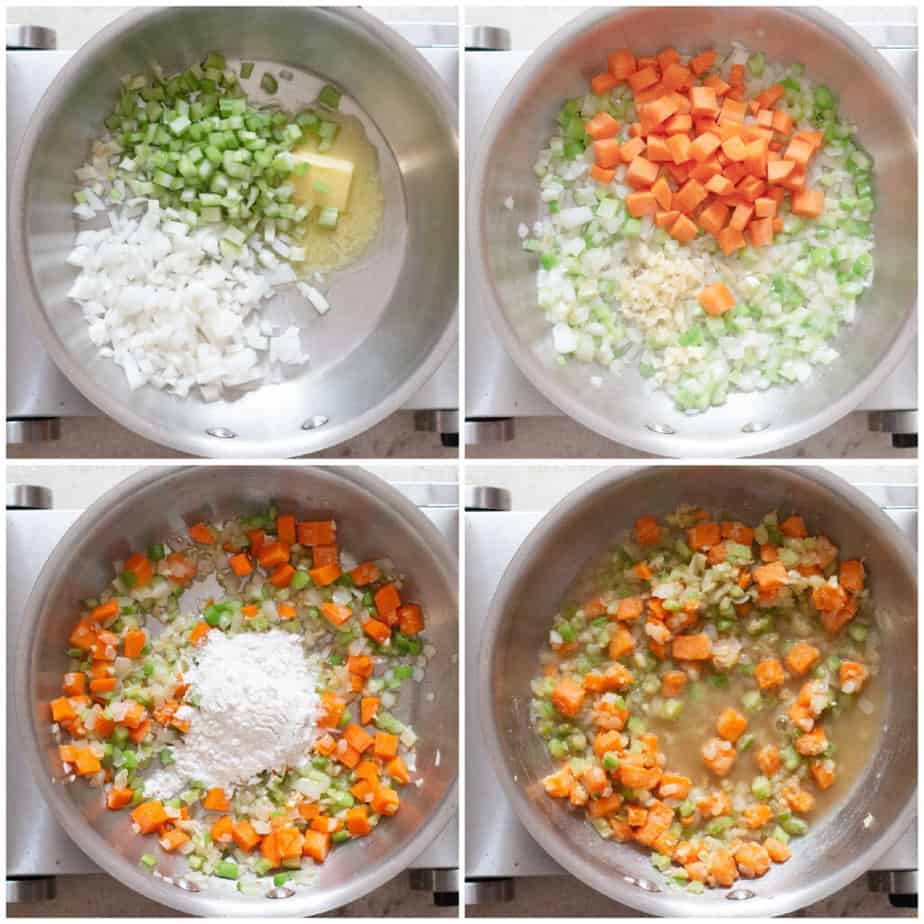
(257, 709)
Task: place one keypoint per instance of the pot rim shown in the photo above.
(560, 395)
(86, 837)
(558, 845)
(152, 429)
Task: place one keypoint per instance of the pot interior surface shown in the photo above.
(373, 521)
(626, 407)
(393, 309)
(839, 846)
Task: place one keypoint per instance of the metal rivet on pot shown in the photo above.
(280, 892)
(186, 885)
(740, 895)
(222, 433)
(646, 885)
(755, 427)
(663, 429)
(312, 423)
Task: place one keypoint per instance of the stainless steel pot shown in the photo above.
(394, 312)
(839, 847)
(373, 519)
(625, 408)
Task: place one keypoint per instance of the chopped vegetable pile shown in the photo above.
(706, 218)
(203, 222)
(692, 696)
(126, 709)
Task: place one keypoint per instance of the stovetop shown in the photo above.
(494, 385)
(36, 845)
(35, 386)
(497, 846)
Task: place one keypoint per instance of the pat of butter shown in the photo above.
(326, 183)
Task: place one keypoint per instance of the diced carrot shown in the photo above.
(641, 173)
(629, 609)
(105, 612)
(852, 575)
(761, 232)
(410, 619)
(602, 176)
(173, 839)
(827, 598)
(692, 647)
(133, 643)
(215, 800)
(823, 773)
(807, 203)
(322, 555)
(731, 724)
(768, 760)
(676, 77)
(608, 153)
(568, 697)
(118, 798)
(627, 151)
(769, 98)
(103, 685)
(602, 83)
(141, 567)
(286, 611)
(658, 151)
(602, 125)
(285, 529)
(365, 573)
(647, 531)
(730, 239)
(273, 554)
(202, 533)
(335, 613)
(241, 564)
(769, 674)
(149, 816)
(368, 709)
(680, 123)
(799, 151)
(641, 203)
(385, 801)
(689, 196)
(777, 850)
(704, 146)
(332, 708)
(317, 532)
(74, 684)
(812, 743)
(713, 218)
(621, 63)
(702, 62)
(377, 631)
(703, 101)
(244, 835)
(642, 78)
(719, 184)
(387, 600)
(324, 575)
(397, 771)
(684, 229)
(666, 219)
(316, 845)
(719, 756)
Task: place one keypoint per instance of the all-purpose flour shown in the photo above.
(257, 708)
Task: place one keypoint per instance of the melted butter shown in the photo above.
(329, 249)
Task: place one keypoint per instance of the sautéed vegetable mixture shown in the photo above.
(707, 219)
(137, 689)
(696, 691)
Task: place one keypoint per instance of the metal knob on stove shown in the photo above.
(443, 883)
(23, 430)
(902, 425)
(445, 422)
(901, 885)
(31, 889)
(30, 38)
(28, 497)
